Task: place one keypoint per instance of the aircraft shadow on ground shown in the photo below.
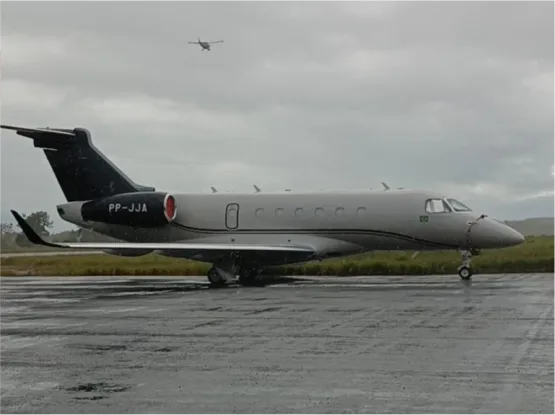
(140, 286)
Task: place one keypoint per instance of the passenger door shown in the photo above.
(232, 216)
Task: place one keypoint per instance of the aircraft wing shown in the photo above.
(216, 41)
(191, 246)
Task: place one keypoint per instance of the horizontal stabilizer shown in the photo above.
(35, 238)
(82, 171)
(25, 131)
(47, 138)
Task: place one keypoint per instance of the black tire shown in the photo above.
(465, 273)
(215, 279)
(249, 277)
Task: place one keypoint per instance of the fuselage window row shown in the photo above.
(318, 212)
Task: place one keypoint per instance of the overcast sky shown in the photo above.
(456, 97)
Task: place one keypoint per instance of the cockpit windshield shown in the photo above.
(437, 206)
(458, 206)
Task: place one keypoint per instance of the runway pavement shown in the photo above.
(328, 345)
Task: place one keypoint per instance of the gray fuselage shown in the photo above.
(337, 223)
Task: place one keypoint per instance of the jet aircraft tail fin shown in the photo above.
(82, 171)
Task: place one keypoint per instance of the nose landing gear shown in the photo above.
(465, 270)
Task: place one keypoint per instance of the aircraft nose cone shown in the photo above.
(490, 233)
(513, 237)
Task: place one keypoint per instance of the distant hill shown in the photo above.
(533, 226)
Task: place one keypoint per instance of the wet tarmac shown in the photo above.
(430, 344)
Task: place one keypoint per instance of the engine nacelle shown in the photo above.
(138, 210)
(128, 252)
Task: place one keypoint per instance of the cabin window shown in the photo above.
(319, 212)
(279, 212)
(437, 206)
(339, 211)
(361, 211)
(298, 211)
(259, 212)
(458, 206)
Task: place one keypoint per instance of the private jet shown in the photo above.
(241, 234)
(205, 45)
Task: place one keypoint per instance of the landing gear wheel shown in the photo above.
(215, 278)
(249, 277)
(465, 272)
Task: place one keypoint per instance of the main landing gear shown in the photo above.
(221, 278)
(218, 277)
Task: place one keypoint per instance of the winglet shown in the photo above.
(30, 233)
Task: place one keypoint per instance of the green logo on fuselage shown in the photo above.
(423, 219)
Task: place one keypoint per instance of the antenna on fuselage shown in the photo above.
(213, 189)
(386, 187)
(256, 188)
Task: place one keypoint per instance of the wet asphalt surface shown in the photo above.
(376, 344)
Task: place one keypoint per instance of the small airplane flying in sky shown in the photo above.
(205, 45)
(241, 234)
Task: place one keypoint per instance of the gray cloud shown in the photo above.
(455, 96)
